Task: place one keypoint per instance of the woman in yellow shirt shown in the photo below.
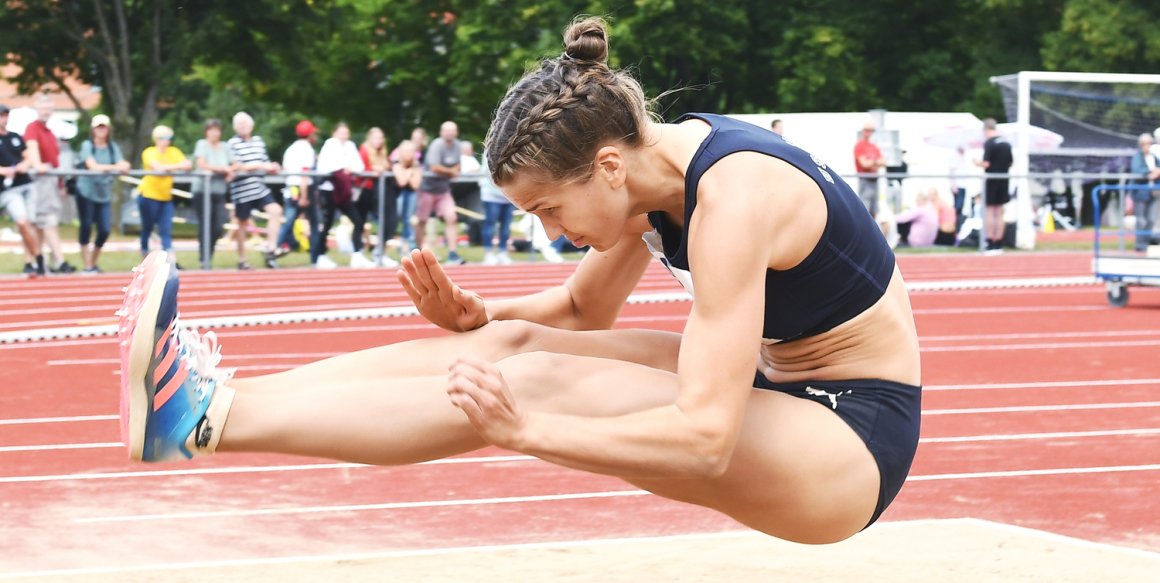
(155, 203)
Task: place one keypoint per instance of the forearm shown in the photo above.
(552, 307)
(660, 442)
(91, 164)
(32, 153)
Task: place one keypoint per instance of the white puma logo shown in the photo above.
(833, 396)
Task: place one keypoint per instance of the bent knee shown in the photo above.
(509, 337)
(535, 376)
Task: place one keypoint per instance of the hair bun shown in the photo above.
(586, 39)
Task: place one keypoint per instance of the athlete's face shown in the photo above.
(590, 212)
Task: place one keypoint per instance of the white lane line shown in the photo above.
(362, 507)
(97, 335)
(1042, 385)
(60, 446)
(1006, 310)
(956, 439)
(1043, 472)
(80, 418)
(1030, 408)
(559, 497)
(1037, 335)
(1039, 346)
(251, 469)
(225, 358)
(1048, 435)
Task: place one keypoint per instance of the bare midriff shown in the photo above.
(880, 343)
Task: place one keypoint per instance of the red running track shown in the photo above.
(1041, 408)
(87, 301)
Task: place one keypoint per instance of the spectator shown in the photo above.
(408, 176)
(868, 160)
(340, 161)
(919, 225)
(45, 155)
(212, 155)
(776, 126)
(374, 156)
(468, 164)
(496, 209)
(95, 193)
(299, 193)
(539, 240)
(248, 190)
(419, 140)
(997, 159)
(69, 158)
(155, 202)
(957, 169)
(1146, 165)
(440, 166)
(16, 191)
(948, 220)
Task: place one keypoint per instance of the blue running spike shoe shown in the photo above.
(168, 375)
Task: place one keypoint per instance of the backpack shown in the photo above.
(343, 188)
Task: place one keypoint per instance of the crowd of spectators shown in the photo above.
(341, 178)
(394, 191)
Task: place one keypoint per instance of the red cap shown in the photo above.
(305, 128)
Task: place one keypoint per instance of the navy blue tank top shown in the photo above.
(846, 273)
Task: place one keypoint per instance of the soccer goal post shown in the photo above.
(1098, 115)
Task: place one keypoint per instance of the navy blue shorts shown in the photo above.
(243, 210)
(884, 414)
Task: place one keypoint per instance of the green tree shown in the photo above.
(138, 51)
(1112, 36)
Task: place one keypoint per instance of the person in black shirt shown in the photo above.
(997, 159)
(15, 187)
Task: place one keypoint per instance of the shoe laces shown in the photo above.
(203, 355)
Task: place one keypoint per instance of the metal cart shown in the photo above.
(1119, 266)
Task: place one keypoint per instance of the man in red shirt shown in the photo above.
(867, 160)
(44, 152)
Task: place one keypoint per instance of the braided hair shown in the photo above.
(554, 119)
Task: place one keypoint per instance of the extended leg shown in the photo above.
(495, 341)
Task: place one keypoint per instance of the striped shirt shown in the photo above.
(251, 151)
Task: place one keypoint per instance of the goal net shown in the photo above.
(1098, 115)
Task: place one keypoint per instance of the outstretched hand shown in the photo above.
(439, 299)
(478, 388)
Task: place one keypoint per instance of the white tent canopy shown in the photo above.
(19, 118)
(971, 137)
